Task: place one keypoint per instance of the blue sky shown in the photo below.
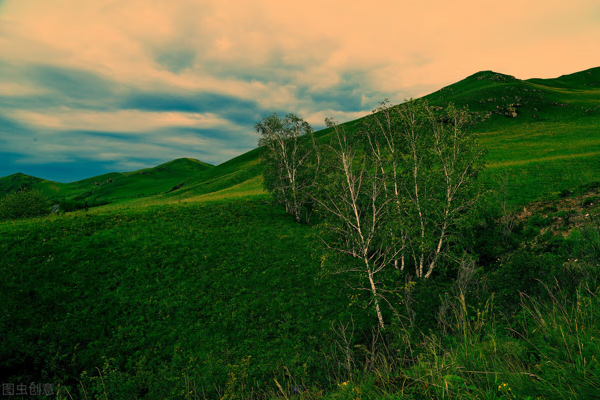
(90, 87)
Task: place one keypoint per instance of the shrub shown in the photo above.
(538, 221)
(588, 201)
(564, 193)
(24, 203)
(73, 205)
(520, 272)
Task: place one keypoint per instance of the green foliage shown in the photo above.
(25, 203)
(539, 221)
(215, 299)
(564, 193)
(588, 201)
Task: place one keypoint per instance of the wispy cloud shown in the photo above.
(88, 87)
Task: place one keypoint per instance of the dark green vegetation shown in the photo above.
(209, 291)
(165, 290)
(24, 203)
(72, 205)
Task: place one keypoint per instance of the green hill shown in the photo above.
(16, 181)
(584, 80)
(116, 186)
(543, 133)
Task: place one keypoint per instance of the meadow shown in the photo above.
(210, 291)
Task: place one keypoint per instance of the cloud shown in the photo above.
(112, 81)
(18, 89)
(11, 127)
(75, 84)
(126, 120)
(176, 60)
(234, 108)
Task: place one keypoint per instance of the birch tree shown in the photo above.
(381, 132)
(352, 196)
(442, 160)
(398, 191)
(291, 158)
(430, 161)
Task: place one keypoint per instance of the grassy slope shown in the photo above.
(553, 144)
(15, 181)
(152, 287)
(154, 292)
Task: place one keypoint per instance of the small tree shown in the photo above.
(291, 159)
(24, 203)
(399, 190)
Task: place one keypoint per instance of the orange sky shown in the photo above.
(313, 58)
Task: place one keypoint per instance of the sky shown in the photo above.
(96, 86)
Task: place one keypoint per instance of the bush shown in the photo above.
(588, 201)
(539, 221)
(520, 272)
(73, 205)
(24, 203)
(564, 193)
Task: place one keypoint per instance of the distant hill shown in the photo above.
(588, 79)
(543, 135)
(17, 181)
(115, 185)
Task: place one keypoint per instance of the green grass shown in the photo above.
(541, 159)
(229, 295)
(204, 284)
